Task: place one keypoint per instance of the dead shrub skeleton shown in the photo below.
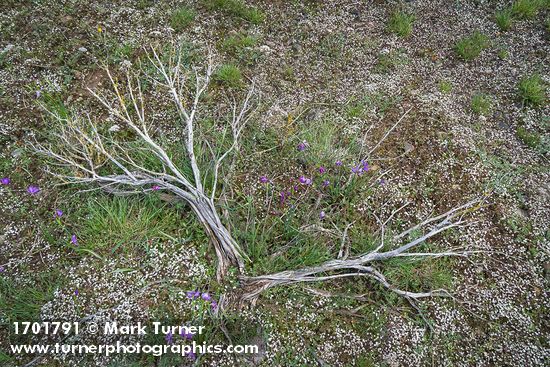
(79, 144)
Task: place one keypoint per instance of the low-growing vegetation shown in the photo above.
(182, 18)
(532, 90)
(327, 181)
(237, 8)
(470, 47)
(401, 23)
(481, 104)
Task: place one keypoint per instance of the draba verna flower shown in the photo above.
(206, 297)
(58, 213)
(302, 146)
(5, 181)
(326, 183)
(33, 190)
(338, 163)
(322, 170)
(322, 215)
(304, 180)
(155, 188)
(74, 241)
(264, 179)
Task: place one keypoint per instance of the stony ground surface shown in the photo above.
(311, 62)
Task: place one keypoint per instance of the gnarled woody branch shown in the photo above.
(358, 266)
(84, 150)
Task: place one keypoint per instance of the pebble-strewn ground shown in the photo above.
(310, 61)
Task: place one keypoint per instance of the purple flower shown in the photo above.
(155, 188)
(326, 183)
(338, 163)
(356, 170)
(38, 94)
(214, 305)
(5, 181)
(33, 190)
(304, 180)
(264, 179)
(169, 338)
(74, 241)
(322, 170)
(58, 213)
(2, 269)
(206, 297)
(186, 335)
(282, 196)
(302, 146)
(322, 215)
(193, 294)
(382, 182)
(76, 292)
(192, 356)
(365, 166)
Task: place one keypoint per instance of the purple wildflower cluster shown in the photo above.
(302, 146)
(204, 296)
(361, 168)
(33, 190)
(185, 336)
(320, 180)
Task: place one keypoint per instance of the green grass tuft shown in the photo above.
(120, 223)
(445, 86)
(470, 47)
(532, 140)
(182, 18)
(237, 8)
(401, 23)
(481, 104)
(229, 75)
(524, 9)
(532, 90)
(503, 19)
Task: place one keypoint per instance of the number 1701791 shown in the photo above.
(46, 328)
